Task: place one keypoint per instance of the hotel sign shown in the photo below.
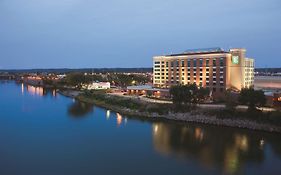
(235, 59)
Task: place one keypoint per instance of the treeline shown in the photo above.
(85, 70)
(268, 70)
(116, 79)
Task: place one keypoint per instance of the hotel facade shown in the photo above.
(214, 68)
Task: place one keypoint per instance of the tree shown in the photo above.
(252, 98)
(188, 94)
(201, 94)
(230, 101)
(75, 79)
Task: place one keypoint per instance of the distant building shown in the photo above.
(98, 85)
(268, 83)
(34, 80)
(214, 68)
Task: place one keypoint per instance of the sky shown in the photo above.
(128, 33)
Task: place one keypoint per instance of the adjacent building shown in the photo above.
(214, 68)
(97, 85)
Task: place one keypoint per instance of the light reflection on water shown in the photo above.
(37, 90)
(229, 149)
(224, 150)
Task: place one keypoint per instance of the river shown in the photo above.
(43, 132)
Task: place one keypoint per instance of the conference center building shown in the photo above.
(214, 68)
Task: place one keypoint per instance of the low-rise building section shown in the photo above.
(97, 85)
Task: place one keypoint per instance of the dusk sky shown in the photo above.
(128, 33)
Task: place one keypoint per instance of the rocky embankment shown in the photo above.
(69, 93)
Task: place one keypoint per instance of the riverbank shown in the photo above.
(194, 116)
(69, 93)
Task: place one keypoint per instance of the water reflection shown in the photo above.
(80, 109)
(107, 114)
(37, 91)
(228, 148)
(119, 119)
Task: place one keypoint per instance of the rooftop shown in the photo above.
(200, 51)
(204, 50)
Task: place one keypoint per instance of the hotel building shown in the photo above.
(214, 68)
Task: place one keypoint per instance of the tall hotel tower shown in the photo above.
(213, 67)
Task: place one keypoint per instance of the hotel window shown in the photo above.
(201, 62)
(177, 63)
(201, 79)
(188, 63)
(207, 70)
(157, 69)
(182, 63)
(188, 74)
(172, 64)
(182, 78)
(157, 62)
(207, 63)
(201, 74)
(214, 62)
(163, 73)
(162, 69)
(194, 63)
(221, 62)
(207, 74)
(167, 64)
(188, 78)
(162, 62)
(207, 79)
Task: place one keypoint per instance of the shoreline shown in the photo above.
(190, 117)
